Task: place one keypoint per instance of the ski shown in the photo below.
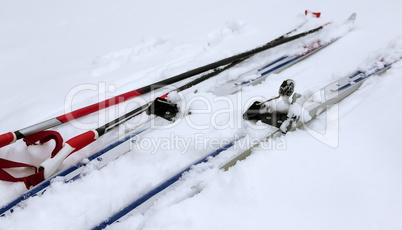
(264, 71)
(276, 66)
(332, 94)
(11, 137)
(257, 75)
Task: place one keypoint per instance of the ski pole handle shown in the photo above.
(7, 138)
(76, 143)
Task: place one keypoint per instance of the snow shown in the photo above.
(103, 48)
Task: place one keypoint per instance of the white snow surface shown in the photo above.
(300, 181)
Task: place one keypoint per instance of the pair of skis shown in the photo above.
(331, 95)
(109, 153)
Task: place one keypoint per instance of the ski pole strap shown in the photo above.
(34, 179)
(7, 164)
(43, 137)
(33, 139)
(29, 181)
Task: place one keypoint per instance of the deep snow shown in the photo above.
(48, 48)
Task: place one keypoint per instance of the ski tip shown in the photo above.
(351, 18)
(350, 22)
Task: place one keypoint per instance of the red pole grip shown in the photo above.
(7, 138)
(82, 140)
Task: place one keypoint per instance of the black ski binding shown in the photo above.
(258, 111)
(253, 112)
(163, 108)
(287, 88)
